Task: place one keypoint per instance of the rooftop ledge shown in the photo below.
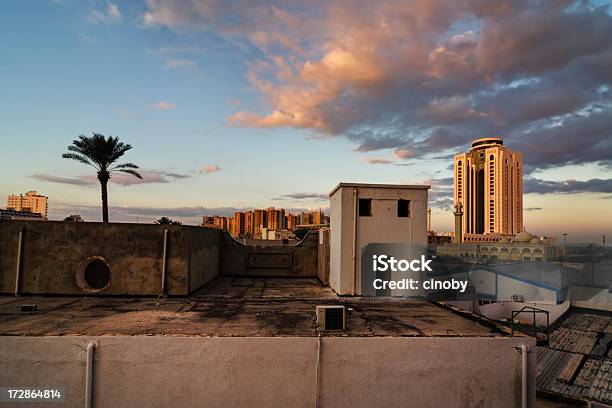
(390, 186)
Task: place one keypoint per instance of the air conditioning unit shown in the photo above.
(331, 318)
(518, 298)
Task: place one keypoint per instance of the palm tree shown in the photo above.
(167, 221)
(101, 153)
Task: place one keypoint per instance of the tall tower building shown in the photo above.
(239, 224)
(276, 219)
(31, 201)
(489, 188)
(260, 220)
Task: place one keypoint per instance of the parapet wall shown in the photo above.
(55, 256)
(355, 372)
(299, 260)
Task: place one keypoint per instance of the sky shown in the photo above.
(239, 104)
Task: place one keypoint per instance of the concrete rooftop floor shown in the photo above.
(237, 307)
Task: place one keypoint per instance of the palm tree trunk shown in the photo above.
(104, 202)
(103, 177)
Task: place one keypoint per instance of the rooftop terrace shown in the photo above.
(237, 307)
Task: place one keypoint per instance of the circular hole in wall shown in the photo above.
(97, 274)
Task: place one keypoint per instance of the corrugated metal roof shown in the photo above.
(577, 363)
(601, 390)
(575, 341)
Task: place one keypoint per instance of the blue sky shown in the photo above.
(282, 103)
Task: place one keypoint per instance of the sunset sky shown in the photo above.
(234, 105)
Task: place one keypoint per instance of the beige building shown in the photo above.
(31, 201)
(489, 188)
(362, 214)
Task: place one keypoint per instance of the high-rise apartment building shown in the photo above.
(489, 188)
(31, 201)
(239, 224)
(249, 223)
(260, 220)
(292, 221)
(276, 219)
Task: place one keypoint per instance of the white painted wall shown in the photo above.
(384, 226)
(168, 371)
(506, 287)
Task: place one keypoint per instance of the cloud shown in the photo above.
(302, 197)
(403, 154)
(109, 15)
(376, 160)
(424, 77)
(123, 179)
(210, 169)
(538, 186)
(176, 63)
(76, 181)
(163, 105)
(533, 209)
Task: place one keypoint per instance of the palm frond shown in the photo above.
(123, 166)
(132, 172)
(77, 157)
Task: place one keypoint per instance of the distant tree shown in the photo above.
(167, 221)
(301, 232)
(101, 153)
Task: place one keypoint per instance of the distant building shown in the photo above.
(314, 218)
(221, 223)
(267, 234)
(494, 248)
(31, 202)
(292, 221)
(276, 219)
(208, 221)
(74, 218)
(11, 214)
(260, 220)
(489, 188)
(239, 224)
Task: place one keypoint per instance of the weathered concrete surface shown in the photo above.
(145, 371)
(299, 261)
(54, 253)
(238, 307)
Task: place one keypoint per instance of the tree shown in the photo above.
(301, 232)
(102, 153)
(167, 221)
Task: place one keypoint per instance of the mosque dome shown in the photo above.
(523, 236)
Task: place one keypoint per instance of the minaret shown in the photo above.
(458, 213)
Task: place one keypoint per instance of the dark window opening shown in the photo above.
(334, 319)
(403, 208)
(365, 207)
(97, 274)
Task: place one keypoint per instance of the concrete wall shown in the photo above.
(384, 226)
(591, 298)
(323, 256)
(54, 255)
(146, 371)
(298, 261)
